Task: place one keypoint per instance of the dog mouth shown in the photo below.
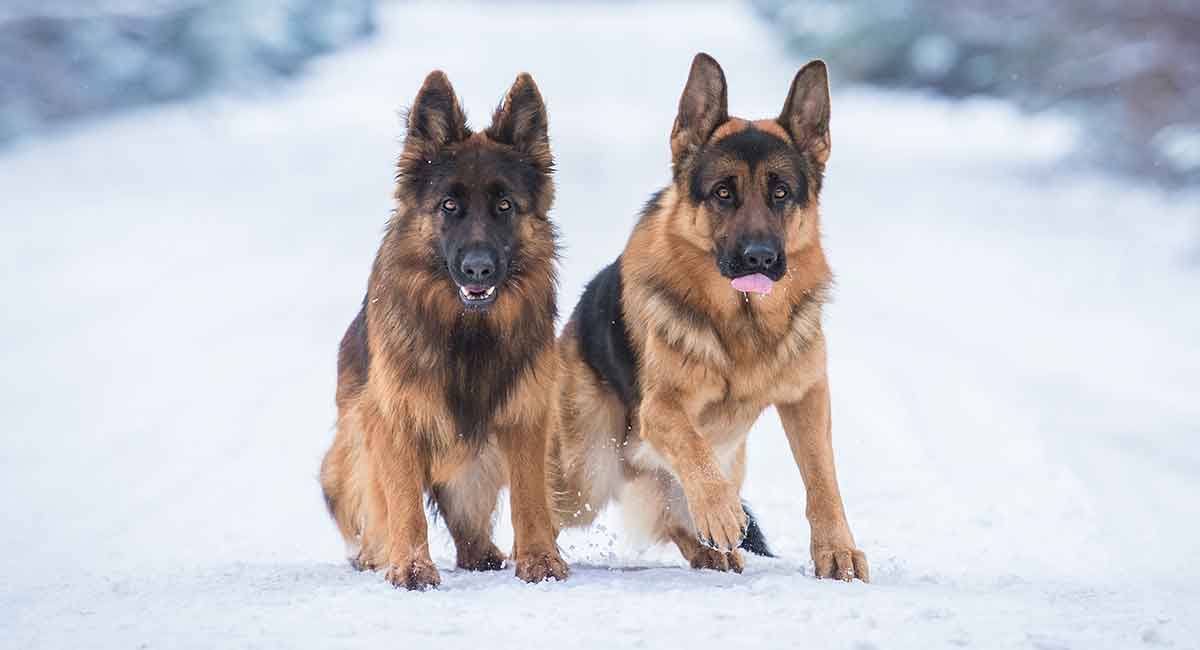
(477, 295)
(753, 283)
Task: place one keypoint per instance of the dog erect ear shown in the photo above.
(520, 121)
(806, 112)
(703, 107)
(435, 119)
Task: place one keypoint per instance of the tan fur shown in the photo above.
(399, 436)
(708, 368)
(590, 469)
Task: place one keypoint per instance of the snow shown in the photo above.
(1014, 364)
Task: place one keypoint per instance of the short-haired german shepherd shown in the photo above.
(447, 376)
(711, 314)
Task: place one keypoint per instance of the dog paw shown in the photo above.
(364, 561)
(709, 558)
(841, 563)
(719, 517)
(414, 575)
(487, 558)
(536, 567)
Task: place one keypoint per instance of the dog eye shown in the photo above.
(504, 205)
(780, 193)
(723, 192)
(449, 205)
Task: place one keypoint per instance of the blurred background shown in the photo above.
(1129, 71)
(192, 192)
(62, 61)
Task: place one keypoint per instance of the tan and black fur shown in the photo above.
(447, 376)
(666, 366)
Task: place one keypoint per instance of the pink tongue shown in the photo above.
(757, 283)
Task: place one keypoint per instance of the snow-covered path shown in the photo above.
(1014, 357)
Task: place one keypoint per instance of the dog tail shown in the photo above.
(340, 498)
(754, 541)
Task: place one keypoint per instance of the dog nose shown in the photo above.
(478, 265)
(759, 256)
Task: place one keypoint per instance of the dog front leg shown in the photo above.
(807, 424)
(397, 467)
(712, 498)
(535, 552)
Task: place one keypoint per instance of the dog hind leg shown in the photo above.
(467, 503)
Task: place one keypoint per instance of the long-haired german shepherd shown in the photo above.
(711, 314)
(447, 377)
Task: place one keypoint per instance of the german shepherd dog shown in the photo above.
(711, 314)
(447, 376)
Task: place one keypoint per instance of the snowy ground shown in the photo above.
(1015, 365)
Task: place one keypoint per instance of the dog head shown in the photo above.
(752, 186)
(477, 195)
